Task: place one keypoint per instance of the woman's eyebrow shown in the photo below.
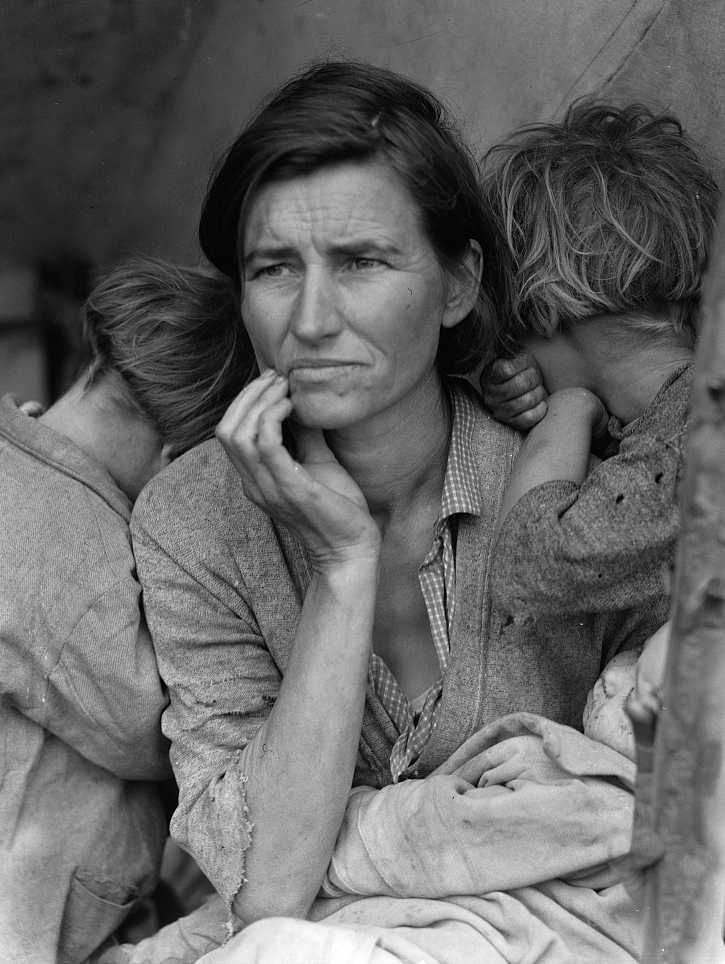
(356, 245)
(346, 248)
(266, 252)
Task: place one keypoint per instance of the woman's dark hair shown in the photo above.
(346, 111)
(610, 211)
(172, 342)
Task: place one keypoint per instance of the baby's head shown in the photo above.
(609, 212)
(634, 673)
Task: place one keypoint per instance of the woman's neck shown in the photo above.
(399, 458)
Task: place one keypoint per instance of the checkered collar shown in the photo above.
(461, 489)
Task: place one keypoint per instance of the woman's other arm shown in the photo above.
(459, 830)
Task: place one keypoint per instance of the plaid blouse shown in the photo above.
(437, 576)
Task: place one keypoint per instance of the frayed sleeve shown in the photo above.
(222, 682)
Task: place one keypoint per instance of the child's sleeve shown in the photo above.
(602, 546)
(101, 692)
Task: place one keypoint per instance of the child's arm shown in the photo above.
(99, 691)
(558, 447)
(602, 544)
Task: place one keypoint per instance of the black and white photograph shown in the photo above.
(362, 482)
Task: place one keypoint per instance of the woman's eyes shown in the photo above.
(283, 269)
(365, 264)
(272, 271)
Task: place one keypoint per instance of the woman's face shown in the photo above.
(343, 292)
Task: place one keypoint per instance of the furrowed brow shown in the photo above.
(269, 253)
(359, 245)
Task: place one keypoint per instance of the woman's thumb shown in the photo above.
(310, 445)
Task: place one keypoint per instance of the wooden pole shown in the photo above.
(685, 889)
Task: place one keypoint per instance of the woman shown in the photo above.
(317, 590)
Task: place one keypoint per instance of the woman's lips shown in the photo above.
(321, 370)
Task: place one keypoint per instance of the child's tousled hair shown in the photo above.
(172, 341)
(609, 212)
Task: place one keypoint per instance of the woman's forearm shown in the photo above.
(300, 765)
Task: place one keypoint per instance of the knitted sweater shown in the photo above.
(223, 589)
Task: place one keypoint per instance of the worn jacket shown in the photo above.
(610, 542)
(81, 825)
(223, 589)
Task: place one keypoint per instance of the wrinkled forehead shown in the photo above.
(336, 204)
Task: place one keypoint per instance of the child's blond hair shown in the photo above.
(609, 212)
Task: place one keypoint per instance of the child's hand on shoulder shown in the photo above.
(513, 391)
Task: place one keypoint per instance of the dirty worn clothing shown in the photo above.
(81, 829)
(608, 543)
(435, 870)
(513, 851)
(223, 590)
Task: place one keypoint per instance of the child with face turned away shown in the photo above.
(82, 756)
(604, 222)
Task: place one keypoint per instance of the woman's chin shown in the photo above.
(325, 422)
(322, 412)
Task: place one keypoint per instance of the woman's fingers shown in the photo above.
(311, 445)
(239, 427)
(289, 482)
(504, 761)
(269, 426)
(240, 407)
(251, 433)
(259, 409)
(474, 770)
(315, 495)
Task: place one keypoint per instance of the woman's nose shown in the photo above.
(316, 312)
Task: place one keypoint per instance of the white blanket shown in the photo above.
(513, 851)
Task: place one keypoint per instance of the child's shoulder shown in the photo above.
(666, 415)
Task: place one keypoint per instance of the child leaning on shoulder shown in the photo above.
(605, 221)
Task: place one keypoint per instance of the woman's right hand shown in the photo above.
(315, 496)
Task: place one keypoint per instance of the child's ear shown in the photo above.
(166, 456)
(463, 284)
